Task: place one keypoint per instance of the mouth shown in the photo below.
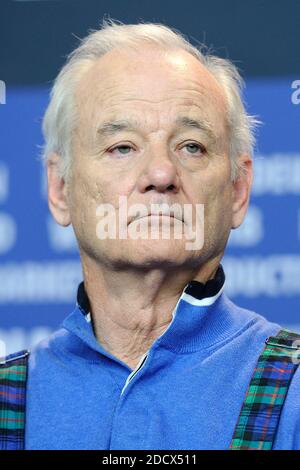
(162, 216)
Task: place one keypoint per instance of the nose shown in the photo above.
(160, 173)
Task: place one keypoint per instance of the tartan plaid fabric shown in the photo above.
(13, 375)
(259, 417)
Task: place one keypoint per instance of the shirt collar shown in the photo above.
(193, 291)
(202, 317)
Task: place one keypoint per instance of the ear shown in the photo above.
(57, 192)
(241, 188)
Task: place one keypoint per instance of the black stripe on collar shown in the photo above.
(197, 289)
(82, 299)
(201, 290)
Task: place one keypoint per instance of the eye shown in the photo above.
(121, 148)
(194, 148)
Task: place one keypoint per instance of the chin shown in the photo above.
(158, 253)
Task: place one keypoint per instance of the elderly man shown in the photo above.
(145, 131)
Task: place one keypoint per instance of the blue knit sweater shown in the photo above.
(186, 393)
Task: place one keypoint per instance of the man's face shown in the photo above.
(160, 158)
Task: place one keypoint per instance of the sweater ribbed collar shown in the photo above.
(203, 316)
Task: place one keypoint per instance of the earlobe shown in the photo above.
(57, 192)
(241, 191)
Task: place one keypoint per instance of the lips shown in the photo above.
(162, 213)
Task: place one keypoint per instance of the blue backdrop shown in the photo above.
(40, 268)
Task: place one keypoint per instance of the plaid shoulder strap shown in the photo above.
(13, 376)
(259, 417)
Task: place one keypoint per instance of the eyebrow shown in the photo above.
(110, 128)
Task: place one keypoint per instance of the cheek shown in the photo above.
(83, 201)
(89, 190)
(209, 188)
(216, 194)
(218, 214)
(109, 184)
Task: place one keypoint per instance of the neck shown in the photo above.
(131, 309)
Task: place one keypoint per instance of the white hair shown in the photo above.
(60, 117)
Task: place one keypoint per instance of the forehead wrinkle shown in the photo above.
(113, 127)
(114, 97)
(114, 94)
